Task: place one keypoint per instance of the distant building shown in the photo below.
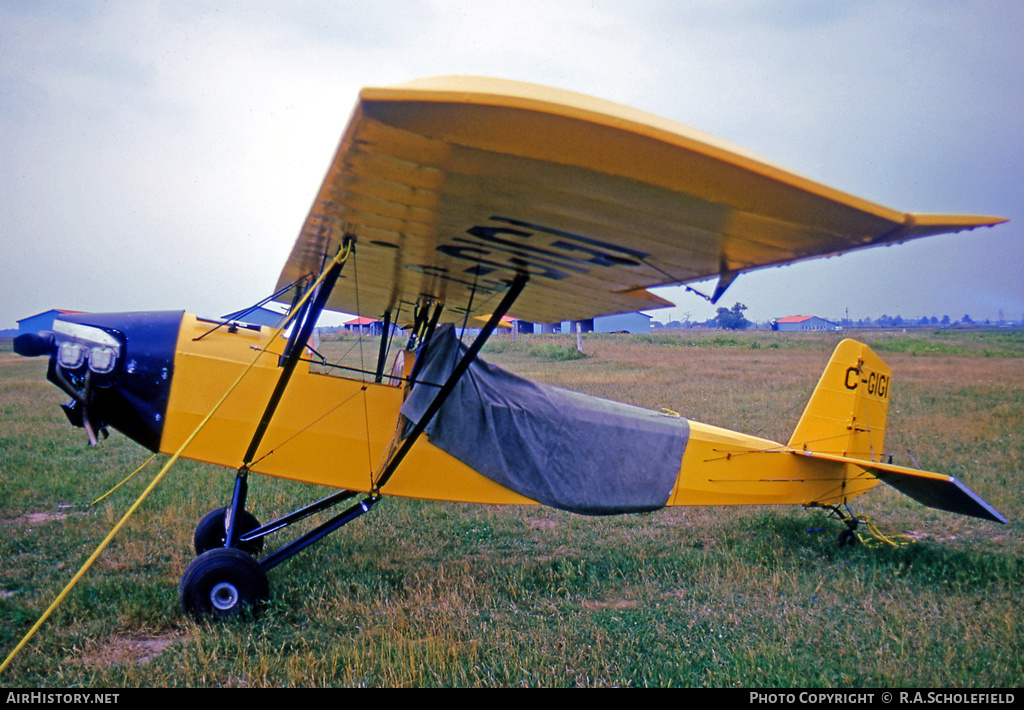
(41, 321)
(365, 326)
(803, 323)
(623, 323)
(618, 323)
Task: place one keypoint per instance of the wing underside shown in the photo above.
(452, 186)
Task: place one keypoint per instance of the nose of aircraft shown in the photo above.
(117, 368)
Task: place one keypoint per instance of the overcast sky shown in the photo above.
(163, 155)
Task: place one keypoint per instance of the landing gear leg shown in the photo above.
(229, 526)
(226, 582)
(847, 537)
(212, 532)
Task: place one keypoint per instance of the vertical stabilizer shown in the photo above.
(847, 412)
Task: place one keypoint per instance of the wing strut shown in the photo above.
(294, 352)
(515, 288)
(382, 355)
(310, 312)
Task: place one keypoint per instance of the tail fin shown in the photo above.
(845, 422)
(847, 412)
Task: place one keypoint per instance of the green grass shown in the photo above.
(554, 348)
(420, 593)
(984, 342)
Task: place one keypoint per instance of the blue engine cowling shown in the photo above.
(117, 367)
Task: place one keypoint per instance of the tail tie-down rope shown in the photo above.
(340, 258)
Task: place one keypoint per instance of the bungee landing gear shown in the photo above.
(226, 580)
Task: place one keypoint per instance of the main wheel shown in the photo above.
(223, 583)
(212, 532)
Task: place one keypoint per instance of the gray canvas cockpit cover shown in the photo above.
(560, 448)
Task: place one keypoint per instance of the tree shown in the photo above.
(732, 318)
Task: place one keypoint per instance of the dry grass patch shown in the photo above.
(128, 649)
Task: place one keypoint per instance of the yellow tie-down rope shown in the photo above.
(876, 536)
(339, 259)
(127, 478)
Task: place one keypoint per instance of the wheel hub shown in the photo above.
(224, 596)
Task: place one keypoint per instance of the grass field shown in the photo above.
(439, 594)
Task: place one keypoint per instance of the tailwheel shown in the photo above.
(223, 583)
(848, 537)
(212, 532)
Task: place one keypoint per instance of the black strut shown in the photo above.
(313, 536)
(292, 357)
(515, 288)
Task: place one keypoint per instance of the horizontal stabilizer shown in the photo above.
(941, 492)
(934, 490)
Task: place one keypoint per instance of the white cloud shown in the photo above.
(163, 155)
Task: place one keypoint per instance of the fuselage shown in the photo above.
(172, 370)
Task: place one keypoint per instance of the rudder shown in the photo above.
(847, 412)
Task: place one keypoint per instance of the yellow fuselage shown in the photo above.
(338, 432)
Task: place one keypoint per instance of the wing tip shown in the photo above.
(952, 222)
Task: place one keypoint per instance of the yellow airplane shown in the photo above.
(454, 199)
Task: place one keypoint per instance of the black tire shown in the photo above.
(211, 532)
(848, 538)
(223, 583)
